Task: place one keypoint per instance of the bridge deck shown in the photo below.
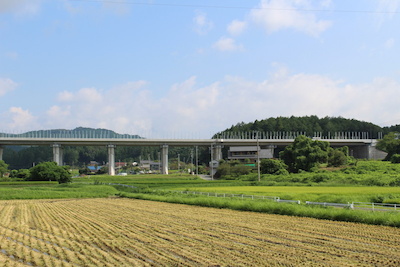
(171, 142)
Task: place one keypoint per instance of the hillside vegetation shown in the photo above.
(312, 124)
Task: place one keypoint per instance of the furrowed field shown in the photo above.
(127, 232)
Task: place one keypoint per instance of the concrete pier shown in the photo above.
(164, 159)
(217, 152)
(58, 154)
(1, 152)
(111, 159)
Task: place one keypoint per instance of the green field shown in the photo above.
(40, 191)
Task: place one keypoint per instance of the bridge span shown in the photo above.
(361, 148)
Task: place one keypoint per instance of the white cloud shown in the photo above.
(385, 11)
(236, 27)
(121, 108)
(65, 96)
(19, 120)
(6, 85)
(20, 6)
(195, 110)
(389, 43)
(227, 44)
(276, 15)
(202, 24)
(389, 7)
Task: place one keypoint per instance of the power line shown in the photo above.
(236, 7)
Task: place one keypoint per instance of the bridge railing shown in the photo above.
(293, 135)
(95, 134)
(71, 135)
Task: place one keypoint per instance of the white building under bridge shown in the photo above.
(244, 153)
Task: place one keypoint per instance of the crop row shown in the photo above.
(125, 232)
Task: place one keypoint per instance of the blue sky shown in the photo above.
(191, 68)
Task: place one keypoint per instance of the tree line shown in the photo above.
(310, 125)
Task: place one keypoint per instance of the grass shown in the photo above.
(30, 191)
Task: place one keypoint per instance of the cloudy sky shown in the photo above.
(190, 68)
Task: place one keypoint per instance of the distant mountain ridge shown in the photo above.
(79, 132)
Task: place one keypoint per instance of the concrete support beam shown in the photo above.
(111, 159)
(1, 152)
(164, 159)
(57, 154)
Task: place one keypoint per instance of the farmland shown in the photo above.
(126, 232)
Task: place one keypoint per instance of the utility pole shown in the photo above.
(212, 162)
(258, 159)
(197, 161)
(179, 163)
(191, 161)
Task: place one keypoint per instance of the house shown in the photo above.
(119, 165)
(150, 165)
(243, 153)
(94, 168)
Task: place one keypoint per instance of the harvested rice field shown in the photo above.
(126, 232)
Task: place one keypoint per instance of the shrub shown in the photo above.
(395, 158)
(50, 171)
(23, 173)
(272, 166)
(337, 158)
(240, 170)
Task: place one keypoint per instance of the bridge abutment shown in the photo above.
(367, 152)
(1, 152)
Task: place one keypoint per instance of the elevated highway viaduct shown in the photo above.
(360, 148)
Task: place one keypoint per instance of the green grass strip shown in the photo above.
(270, 207)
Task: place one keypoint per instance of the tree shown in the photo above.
(338, 157)
(50, 171)
(305, 154)
(272, 166)
(23, 173)
(390, 144)
(3, 168)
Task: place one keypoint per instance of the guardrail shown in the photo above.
(326, 204)
(377, 206)
(352, 205)
(241, 196)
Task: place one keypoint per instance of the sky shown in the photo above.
(191, 68)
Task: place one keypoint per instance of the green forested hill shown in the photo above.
(311, 124)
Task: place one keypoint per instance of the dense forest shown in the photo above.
(25, 157)
(312, 124)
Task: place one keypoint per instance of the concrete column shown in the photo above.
(1, 152)
(217, 150)
(111, 159)
(164, 159)
(57, 154)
